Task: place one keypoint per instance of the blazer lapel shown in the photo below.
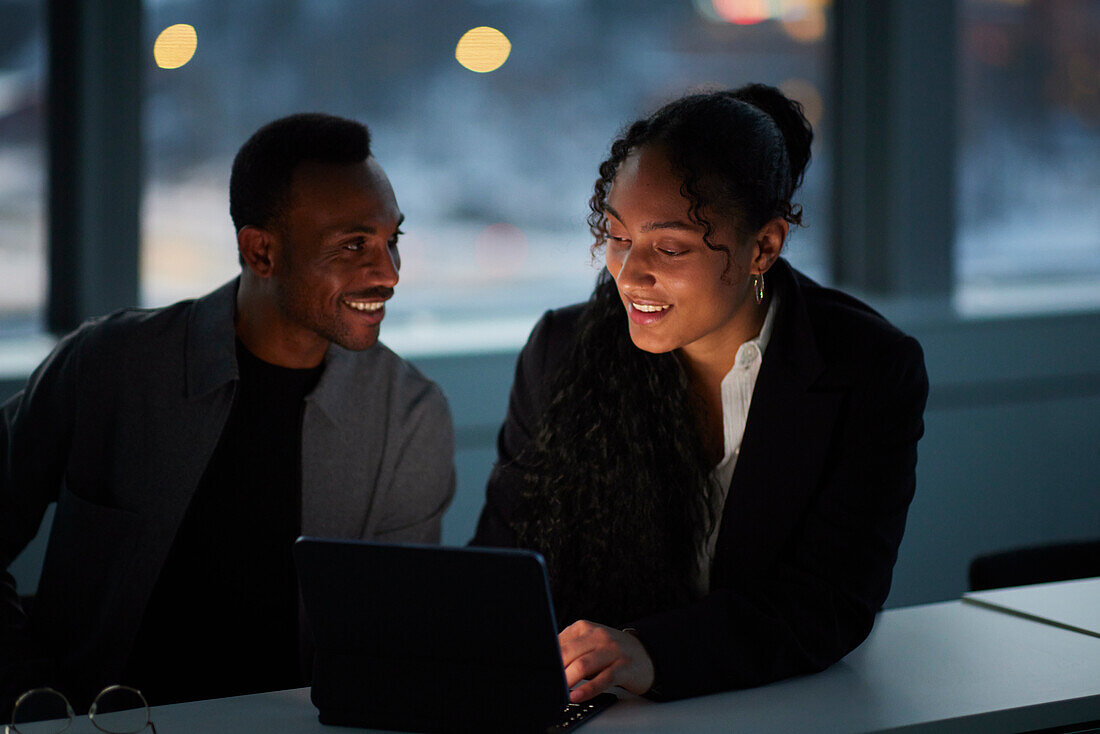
(785, 442)
(187, 427)
(341, 446)
(171, 438)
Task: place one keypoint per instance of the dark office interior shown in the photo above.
(953, 187)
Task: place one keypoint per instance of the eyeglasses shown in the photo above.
(116, 710)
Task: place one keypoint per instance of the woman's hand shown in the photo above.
(606, 657)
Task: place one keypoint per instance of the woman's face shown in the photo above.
(678, 293)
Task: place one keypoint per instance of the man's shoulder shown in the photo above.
(381, 357)
(130, 328)
(138, 328)
(380, 368)
(139, 340)
(129, 335)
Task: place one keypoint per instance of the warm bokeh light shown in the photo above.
(802, 20)
(805, 26)
(805, 92)
(742, 12)
(500, 250)
(483, 49)
(175, 46)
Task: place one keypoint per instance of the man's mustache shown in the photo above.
(381, 292)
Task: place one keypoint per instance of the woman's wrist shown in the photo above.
(633, 632)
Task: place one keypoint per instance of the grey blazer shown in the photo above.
(117, 427)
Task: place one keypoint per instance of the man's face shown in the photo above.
(338, 252)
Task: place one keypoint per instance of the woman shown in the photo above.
(703, 544)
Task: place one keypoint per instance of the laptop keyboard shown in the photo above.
(576, 714)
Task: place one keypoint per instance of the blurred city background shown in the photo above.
(493, 170)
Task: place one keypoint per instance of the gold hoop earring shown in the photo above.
(758, 288)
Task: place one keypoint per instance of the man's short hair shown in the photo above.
(259, 186)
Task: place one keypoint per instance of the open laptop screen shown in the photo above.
(424, 638)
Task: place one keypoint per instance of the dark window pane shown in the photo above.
(22, 165)
(1029, 164)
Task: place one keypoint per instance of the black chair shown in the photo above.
(1035, 565)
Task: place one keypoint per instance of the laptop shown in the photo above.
(432, 639)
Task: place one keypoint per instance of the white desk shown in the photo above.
(1074, 605)
(943, 668)
(937, 668)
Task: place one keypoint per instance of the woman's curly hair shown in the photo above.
(617, 490)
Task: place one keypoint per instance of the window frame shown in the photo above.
(94, 168)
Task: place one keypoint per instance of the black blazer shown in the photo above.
(816, 506)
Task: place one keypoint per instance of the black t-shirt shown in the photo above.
(223, 617)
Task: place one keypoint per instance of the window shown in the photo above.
(1029, 154)
(22, 167)
(493, 170)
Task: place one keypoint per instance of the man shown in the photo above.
(188, 446)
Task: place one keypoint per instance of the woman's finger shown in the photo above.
(579, 639)
(588, 666)
(597, 685)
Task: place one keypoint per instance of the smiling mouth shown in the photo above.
(647, 314)
(649, 307)
(367, 306)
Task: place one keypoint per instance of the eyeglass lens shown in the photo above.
(41, 711)
(120, 710)
(116, 710)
